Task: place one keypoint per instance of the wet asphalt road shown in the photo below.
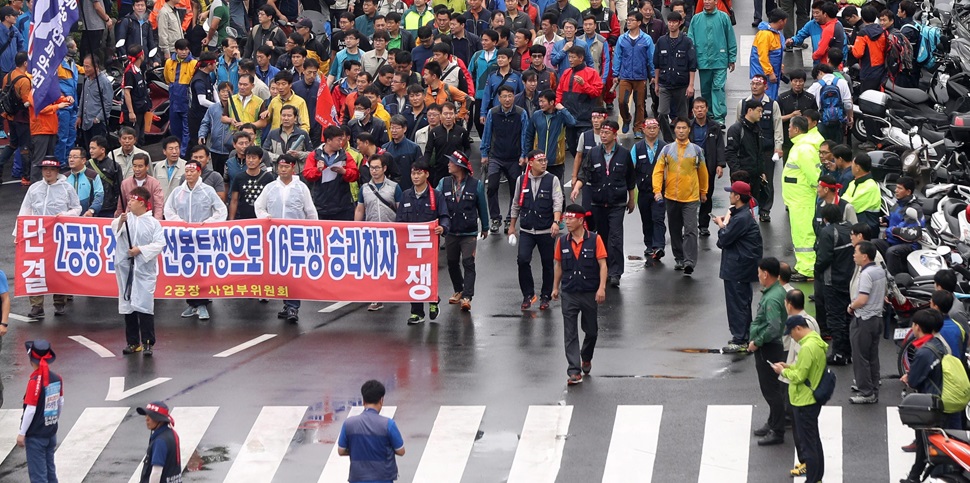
(496, 356)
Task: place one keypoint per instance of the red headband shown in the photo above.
(570, 214)
(836, 186)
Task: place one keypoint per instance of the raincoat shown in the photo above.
(798, 190)
(148, 235)
(43, 199)
(291, 201)
(195, 205)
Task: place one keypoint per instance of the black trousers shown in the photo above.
(460, 251)
(652, 220)
(766, 197)
(771, 387)
(547, 246)
(91, 43)
(97, 129)
(895, 255)
(198, 302)
(496, 168)
(418, 308)
(704, 217)
(574, 305)
(820, 313)
(609, 225)
(476, 114)
(738, 296)
(872, 125)
(836, 303)
(139, 328)
(808, 440)
(219, 162)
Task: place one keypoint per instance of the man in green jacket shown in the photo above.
(766, 344)
(717, 50)
(804, 375)
(863, 192)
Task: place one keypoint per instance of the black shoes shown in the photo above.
(614, 281)
(765, 217)
(678, 265)
(658, 254)
(762, 431)
(838, 360)
(704, 232)
(772, 438)
(688, 269)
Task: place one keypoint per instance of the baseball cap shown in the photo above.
(739, 187)
(304, 22)
(795, 321)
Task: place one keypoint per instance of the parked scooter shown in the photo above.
(947, 451)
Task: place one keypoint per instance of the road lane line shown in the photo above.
(266, 445)
(86, 440)
(745, 42)
(245, 345)
(192, 421)
(338, 467)
(21, 318)
(94, 346)
(9, 428)
(724, 458)
(830, 429)
(335, 307)
(897, 436)
(450, 444)
(539, 454)
(633, 446)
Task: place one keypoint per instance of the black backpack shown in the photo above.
(10, 102)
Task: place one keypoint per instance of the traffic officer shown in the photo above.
(163, 461)
(772, 140)
(465, 196)
(652, 212)
(538, 201)
(43, 402)
(800, 177)
(421, 204)
(610, 174)
(581, 272)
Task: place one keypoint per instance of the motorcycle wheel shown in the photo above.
(859, 129)
(905, 356)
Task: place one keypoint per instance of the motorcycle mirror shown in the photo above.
(913, 131)
(943, 250)
(151, 53)
(205, 26)
(912, 214)
(120, 44)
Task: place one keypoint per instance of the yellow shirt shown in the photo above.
(276, 104)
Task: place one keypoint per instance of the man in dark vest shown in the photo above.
(581, 276)
(538, 203)
(369, 439)
(609, 172)
(465, 196)
(421, 204)
(163, 462)
(652, 212)
(43, 402)
(328, 172)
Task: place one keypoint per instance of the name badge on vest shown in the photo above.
(597, 165)
(407, 205)
(525, 190)
(448, 193)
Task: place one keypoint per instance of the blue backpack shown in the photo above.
(830, 103)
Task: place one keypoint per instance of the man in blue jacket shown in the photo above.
(503, 151)
(632, 68)
(561, 47)
(739, 239)
(892, 247)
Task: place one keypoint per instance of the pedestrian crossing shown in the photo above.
(538, 456)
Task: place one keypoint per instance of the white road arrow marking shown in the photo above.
(117, 392)
(94, 346)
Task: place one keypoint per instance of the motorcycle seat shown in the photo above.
(959, 435)
(916, 96)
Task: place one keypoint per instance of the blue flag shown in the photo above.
(53, 20)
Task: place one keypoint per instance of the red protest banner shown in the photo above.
(282, 259)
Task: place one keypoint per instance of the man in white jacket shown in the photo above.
(195, 202)
(169, 28)
(286, 198)
(139, 239)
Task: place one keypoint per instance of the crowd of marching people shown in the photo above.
(272, 116)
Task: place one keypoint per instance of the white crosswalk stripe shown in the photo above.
(451, 442)
(87, 439)
(190, 424)
(633, 446)
(338, 467)
(724, 458)
(266, 444)
(539, 454)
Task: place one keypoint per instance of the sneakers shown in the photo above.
(544, 303)
(772, 438)
(838, 360)
(433, 311)
(735, 348)
(574, 379)
(799, 470)
(148, 350)
(638, 135)
(415, 319)
(765, 217)
(678, 265)
(527, 302)
(375, 306)
(508, 223)
(648, 252)
(703, 232)
(263, 301)
(36, 312)
(762, 431)
(131, 349)
(282, 313)
(466, 304)
(860, 399)
(658, 254)
(587, 366)
(614, 281)
(59, 310)
(626, 128)
(455, 299)
(292, 315)
(190, 312)
(495, 225)
(688, 269)
(24, 181)
(798, 277)
(203, 312)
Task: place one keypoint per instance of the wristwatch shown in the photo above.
(4, 324)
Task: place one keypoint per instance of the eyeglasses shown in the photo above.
(375, 168)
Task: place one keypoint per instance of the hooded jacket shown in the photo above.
(767, 51)
(743, 150)
(714, 40)
(870, 49)
(814, 31)
(195, 205)
(807, 368)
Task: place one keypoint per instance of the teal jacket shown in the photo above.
(808, 367)
(769, 324)
(714, 41)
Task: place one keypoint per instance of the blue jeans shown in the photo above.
(66, 134)
(178, 125)
(40, 459)
(292, 304)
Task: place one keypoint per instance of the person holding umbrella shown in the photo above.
(163, 461)
(139, 241)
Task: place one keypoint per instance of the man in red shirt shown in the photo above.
(581, 270)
